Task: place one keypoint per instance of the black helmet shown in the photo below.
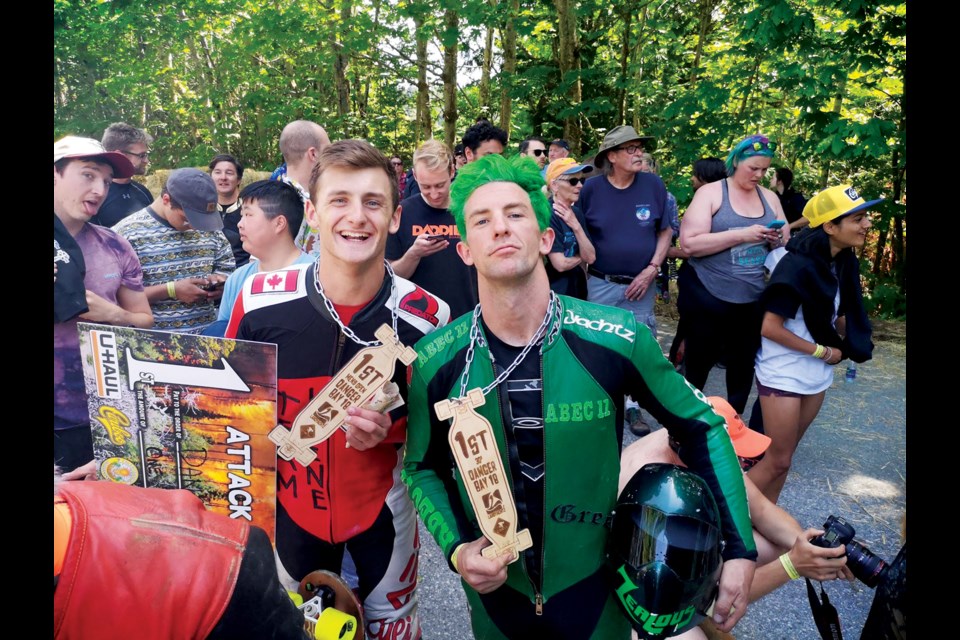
(664, 550)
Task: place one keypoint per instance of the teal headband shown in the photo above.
(758, 145)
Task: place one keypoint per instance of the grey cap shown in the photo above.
(617, 136)
(195, 191)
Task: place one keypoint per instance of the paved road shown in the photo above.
(852, 463)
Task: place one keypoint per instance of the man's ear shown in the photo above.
(310, 214)
(280, 224)
(546, 240)
(463, 250)
(395, 220)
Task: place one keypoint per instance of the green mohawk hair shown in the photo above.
(521, 170)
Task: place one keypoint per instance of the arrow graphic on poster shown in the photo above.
(186, 375)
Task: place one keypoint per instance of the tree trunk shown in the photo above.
(485, 73)
(369, 79)
(340, 63)
(749, 88)
(837, 104)
(568, 58)
(509, 65)
(638, 78)
(451, 22)
(705, 16)
(424, 125)
(624, 63)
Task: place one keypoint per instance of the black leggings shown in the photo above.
(718, 331)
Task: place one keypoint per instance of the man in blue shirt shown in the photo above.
(627, 219)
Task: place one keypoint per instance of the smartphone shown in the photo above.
(776, 224)
(213, 286)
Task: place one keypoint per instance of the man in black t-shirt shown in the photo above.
(125, 195)
(424, 248)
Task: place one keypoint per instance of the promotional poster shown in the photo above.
(180, 411)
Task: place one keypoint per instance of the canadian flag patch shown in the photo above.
(275, 282)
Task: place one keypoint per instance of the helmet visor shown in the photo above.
(689, 547)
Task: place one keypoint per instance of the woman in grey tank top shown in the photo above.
(726, 231)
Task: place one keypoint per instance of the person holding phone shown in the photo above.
(813, 318)
(185, 256)
(423, 249)
(726, 231)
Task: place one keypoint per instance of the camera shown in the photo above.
(865, 565)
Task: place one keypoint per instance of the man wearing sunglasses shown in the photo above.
(125, 195)
(536, 148)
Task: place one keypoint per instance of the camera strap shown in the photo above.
(824, 613)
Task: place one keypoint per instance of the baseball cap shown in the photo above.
(621, 135)
(560, 142)
(77, 148)
(746, 442)
(565, 166)
(195, 191)
(834, 203)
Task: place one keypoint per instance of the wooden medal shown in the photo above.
(354, 385)
(475, 450)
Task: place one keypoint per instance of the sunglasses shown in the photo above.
(538, 152)
(763, 143)
(573, 181)
(398, 164)
(143, 156)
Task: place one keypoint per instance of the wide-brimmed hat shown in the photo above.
(833, 203)
(746, 442)
(77, 148)
(564, 166)
(195, 191)
(621, 135)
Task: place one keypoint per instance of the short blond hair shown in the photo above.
(434, 155)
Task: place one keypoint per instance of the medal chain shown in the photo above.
(476, 338)
(347, 331)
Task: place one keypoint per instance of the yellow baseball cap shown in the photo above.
(834, 203)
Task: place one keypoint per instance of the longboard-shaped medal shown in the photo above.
(354, 385)
(475, 450)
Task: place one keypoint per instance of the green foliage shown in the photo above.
(823, 78)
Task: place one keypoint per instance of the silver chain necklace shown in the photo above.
(475, 338)
(347, 331)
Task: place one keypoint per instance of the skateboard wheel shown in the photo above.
(334, 624)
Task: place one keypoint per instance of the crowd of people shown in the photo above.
(531, 279)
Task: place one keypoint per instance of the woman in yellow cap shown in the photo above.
(813, 319)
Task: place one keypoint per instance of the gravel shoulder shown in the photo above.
(851, 463)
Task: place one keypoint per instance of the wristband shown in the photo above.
(654, 265)
(819, 351)
(453, 557)
(828, 355)
(172, 290)
(788, 566)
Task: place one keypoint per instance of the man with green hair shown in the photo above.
(558, 369)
